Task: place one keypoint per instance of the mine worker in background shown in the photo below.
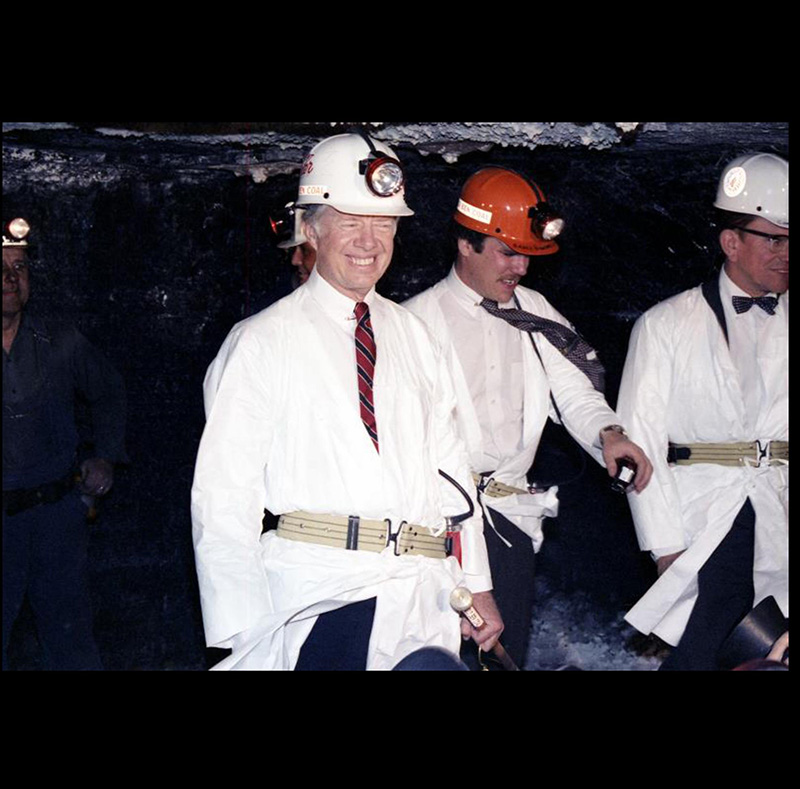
(333, 408)
(286, 224)
(706, 379)
(47, 367)
(516, 360)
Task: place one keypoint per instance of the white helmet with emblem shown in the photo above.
(756, 184)
(355, 175)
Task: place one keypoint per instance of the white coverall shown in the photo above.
(583, 409)
(284, 432)
(680, 385)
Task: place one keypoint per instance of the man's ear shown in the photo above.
(730, 241)
(464, 247)
(309, 231)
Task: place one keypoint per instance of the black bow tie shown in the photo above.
(743, 303)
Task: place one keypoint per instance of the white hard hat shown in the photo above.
(15, 232)
(756, 184)
(355, 175)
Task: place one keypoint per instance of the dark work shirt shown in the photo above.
(49, 367)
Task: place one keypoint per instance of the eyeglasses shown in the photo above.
(776, 243)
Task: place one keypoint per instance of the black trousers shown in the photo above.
(339, 639)
(512, 574)
(45, 558)
(725, 596)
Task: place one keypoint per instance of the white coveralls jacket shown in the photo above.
(680, 385)
(583, 409)
(284, 432)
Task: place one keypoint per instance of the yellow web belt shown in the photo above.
(496, 489)
(730, 454)
(361, 534)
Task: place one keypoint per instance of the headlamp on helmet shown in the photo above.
(14, 233)
(285, 224)
(545, 222)
(384, 175)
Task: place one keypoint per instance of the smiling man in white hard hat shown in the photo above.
(333, 409)
(705, 390)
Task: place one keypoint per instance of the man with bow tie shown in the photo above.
(516, 360)
(705, 391)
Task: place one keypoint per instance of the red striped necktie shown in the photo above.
(366, 354)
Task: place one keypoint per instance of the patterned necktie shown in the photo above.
(743, 303)
(366, 353)
(571, 344)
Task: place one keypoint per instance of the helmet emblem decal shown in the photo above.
(735, 180)
(312, 189)
(476, 213)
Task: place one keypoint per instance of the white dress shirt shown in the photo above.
(284, 431)
(490, 352)
(491, 362)
(750, 334)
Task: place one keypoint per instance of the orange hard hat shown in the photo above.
(505, 205)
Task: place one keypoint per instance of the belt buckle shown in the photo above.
(763, 452)
(404, 539)
(393, 537)
(484, 483)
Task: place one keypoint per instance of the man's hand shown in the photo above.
(665, 561)
(615, 447)
(778, 648)
(487, 634)
(97, 476)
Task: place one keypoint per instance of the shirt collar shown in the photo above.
(728, 288)
(335, 304)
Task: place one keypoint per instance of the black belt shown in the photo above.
(21, 499)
